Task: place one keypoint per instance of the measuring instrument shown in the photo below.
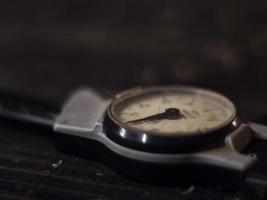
(154, 134)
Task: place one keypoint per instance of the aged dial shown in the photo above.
(172, 111)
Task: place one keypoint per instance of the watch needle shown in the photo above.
(169, 113)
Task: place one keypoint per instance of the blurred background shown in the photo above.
(48, 48)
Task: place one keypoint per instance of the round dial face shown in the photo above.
(172, 110)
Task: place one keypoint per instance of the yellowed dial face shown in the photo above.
(172, 110)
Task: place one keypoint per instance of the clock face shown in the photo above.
(172, 111)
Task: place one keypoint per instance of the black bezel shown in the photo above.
(146, 141)
(167, 144)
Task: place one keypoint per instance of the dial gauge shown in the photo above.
(172, 111)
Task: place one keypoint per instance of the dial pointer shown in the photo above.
(170, 113)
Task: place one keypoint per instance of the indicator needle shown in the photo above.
(169, 113)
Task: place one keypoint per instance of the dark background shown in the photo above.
(49, 48)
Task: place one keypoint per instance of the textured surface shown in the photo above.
(48, 48)
(30, 167)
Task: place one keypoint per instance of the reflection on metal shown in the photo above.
(234, 123)
(122, 132)
(144, 138)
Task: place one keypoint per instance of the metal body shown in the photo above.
(83, 116)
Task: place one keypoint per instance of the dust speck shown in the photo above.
(57, 164)
(99, 174)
